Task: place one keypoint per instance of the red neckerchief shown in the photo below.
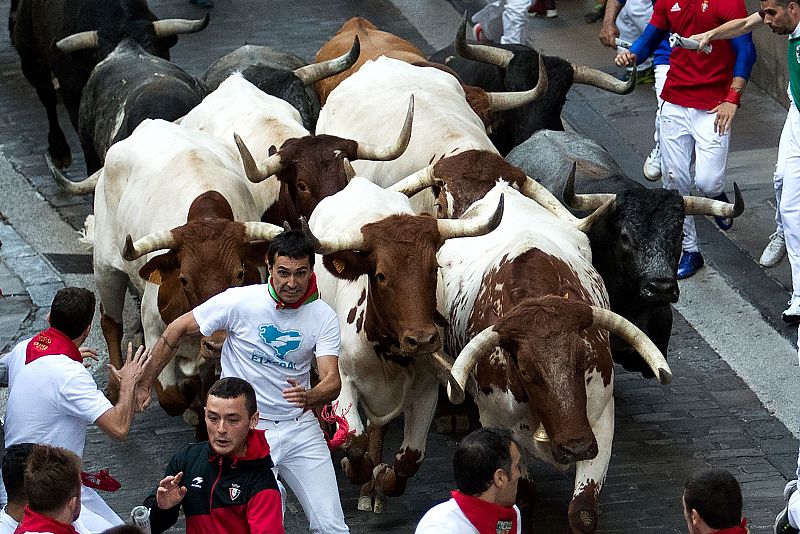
(310, 295)
(35, 522)
(487, 517)
(740, 529)
(49, 342)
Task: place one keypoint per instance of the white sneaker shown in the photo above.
(774, 251)
(652, 165)
(551, 13)
(792, 314)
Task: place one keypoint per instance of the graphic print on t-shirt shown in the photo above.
(281, 341)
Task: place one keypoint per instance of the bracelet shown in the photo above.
(734, 97)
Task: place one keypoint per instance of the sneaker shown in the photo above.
(597, 13)
(691, 262)
(646, 76)
(551, 13)
(782, 525)
(791, 315)
(477, 32)
(724, 223)
(652, 165)
(774, 251)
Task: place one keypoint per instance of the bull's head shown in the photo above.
(553, 343)
(313, 167)
(398, 255)
(156, 36)
(640, 238)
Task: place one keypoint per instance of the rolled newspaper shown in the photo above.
(676, 40)
(622, 43)
(141, 518)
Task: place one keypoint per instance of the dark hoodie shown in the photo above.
(231, 495)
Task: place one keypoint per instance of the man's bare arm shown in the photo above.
(729, 30)
(165, 348)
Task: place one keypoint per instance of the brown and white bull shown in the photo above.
(379, 273)
(290, 181)
(172, 216)
(529, 320)
(444, 124)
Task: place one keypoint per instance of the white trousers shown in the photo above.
(794, 501)
(787, 191)
(504, 19)
(96, 516)
(660, 72)
(303, 461)
(688, 132)
(631, 22)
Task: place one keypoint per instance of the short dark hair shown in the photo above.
(72, 311)
(15, 457)
(292, 244)
(478, 456)
(233, 388)
(52, 478)
(123, 529)
(716, 496)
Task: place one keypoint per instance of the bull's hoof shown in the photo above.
(357, 476)
(365, 503)
(462, 423)
(583, 521)
(444, 424)
(60, 153)
(191, 417)
(380, 504)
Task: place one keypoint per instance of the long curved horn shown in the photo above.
(148, 244)
(317, 71)
(708, 206)
(349, 171)
(470, 227)
(170, 27)
(483, 343)
(419, 181)
(499, 57)
(261, 231)
(329, 245)
(442, 366)
(255, 173)
(637, 339)
(78, 41)
(512, 100)
(591, 201)
(83, 187)
(596, 78)
(386, 153)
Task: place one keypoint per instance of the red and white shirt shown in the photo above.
(695, 79)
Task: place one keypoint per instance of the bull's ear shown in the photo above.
(158, 268)
(272, 150)
(347, 264)
(255, 261)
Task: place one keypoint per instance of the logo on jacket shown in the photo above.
(504, 527)
(704, 6)
(797, 53)
(282, 341)
(197, 482)
(675, 8)
(234, 491)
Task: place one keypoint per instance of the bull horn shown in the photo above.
(482, 344)
(261, 231)
(443, 369)
(587, 202)
(618, 325)
(254, 172)
(596, 78)
(83, 187)
(349, 171)
(317, 71)
(499, 57)
(170, 27)
(386, 153)
(148, 244)
(419, 181)
(470, 227)
(329, 245)
(78, 41)
(512, 100)
(708, 206)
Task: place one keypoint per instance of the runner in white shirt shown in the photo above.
(53, 396)
(275, 332)
(487, 467)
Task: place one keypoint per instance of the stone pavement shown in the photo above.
(707, 417)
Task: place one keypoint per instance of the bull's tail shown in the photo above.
(76, 188)
(87, 234)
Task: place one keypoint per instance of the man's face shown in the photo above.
(228, 424)
(782, 20)
(507, 495)
(290, 277)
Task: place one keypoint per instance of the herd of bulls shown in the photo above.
(433, 245)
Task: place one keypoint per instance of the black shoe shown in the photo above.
(724, 223)
(595, 14)
(782, 525)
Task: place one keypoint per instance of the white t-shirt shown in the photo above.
(267, 346)
(447, 518)
(14, 361)
(51, 401)
(7, 523)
